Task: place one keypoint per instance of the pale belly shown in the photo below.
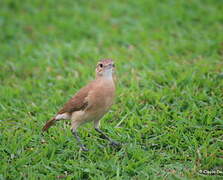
(94, 113)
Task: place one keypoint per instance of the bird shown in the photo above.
(90, 103)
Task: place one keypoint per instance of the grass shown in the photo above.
(169, 107)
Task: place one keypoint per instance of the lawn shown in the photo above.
(168, 112)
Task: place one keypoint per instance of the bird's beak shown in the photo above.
(109, 66)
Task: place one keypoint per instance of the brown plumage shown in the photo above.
(48, 124)
(91, 102)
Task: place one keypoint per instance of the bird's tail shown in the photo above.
(49, 124)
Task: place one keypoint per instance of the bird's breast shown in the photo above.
(102, 96)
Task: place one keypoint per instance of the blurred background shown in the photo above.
(168, 55)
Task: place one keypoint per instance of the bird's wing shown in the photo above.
(79, 101)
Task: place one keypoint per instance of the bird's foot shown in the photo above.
(114, 143)
(83, 148)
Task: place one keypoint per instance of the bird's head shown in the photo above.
(105, 68)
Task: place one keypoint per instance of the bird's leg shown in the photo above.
(74, 125)
(74, 132)
(104, 136)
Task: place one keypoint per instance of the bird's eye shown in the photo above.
(101, 65)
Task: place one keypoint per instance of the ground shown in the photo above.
(168, 113)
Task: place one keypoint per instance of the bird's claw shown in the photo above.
(114, 143)
(83, 148)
